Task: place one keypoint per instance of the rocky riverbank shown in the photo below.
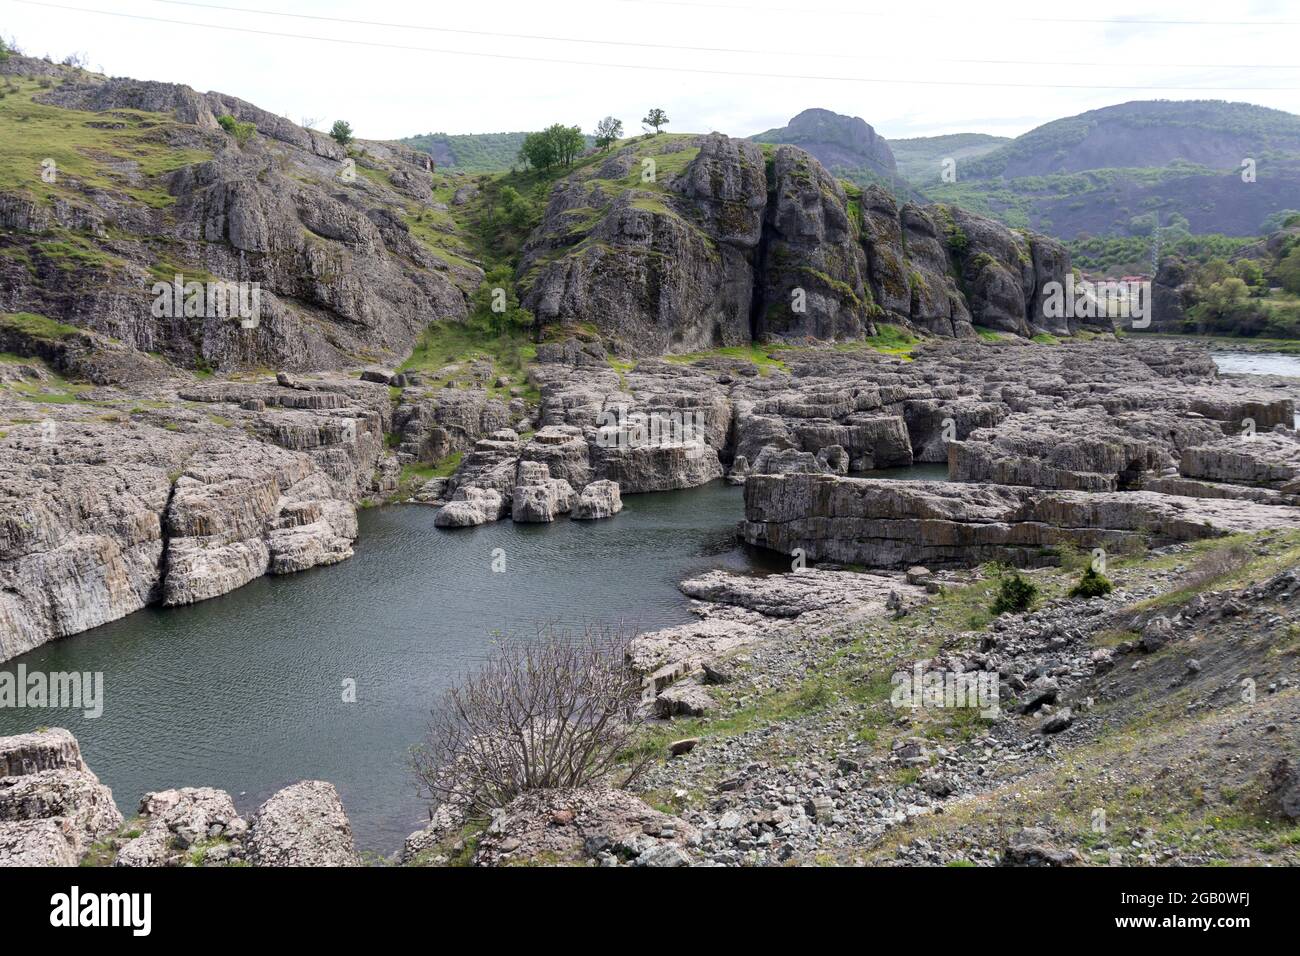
(55, 812)
(1155, 725)
(180, 490)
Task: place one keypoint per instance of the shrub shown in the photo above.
(1091, 585)
(341, 132)
(1015, 594)
(813, 695)
(240, 131)
(550, 713)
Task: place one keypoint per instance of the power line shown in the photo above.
(710, 49)
(892, 81)
(1120, 21)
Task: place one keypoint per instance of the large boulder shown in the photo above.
(302, 825)
(600, 499)
(52, 808)
(192, 825)
(537, 496)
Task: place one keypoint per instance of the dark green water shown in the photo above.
(245, 692)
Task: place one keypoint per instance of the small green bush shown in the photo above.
(1091, 585)
(241, 131)
(1015, 594)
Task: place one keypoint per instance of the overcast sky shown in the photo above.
(791, 53)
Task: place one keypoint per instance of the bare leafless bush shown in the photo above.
(1215, 565)
(553, 712)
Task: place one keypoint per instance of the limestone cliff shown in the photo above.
(684, 243)
(353, 254)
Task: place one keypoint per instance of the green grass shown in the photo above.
(72, 253)
(988, 335)
(422, 473)
(84, 148)
(758, 353)
(37, 326)
(461, 343)
(892, 340)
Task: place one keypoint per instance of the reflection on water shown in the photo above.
(244, 692)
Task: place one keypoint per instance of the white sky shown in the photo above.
(386, 93)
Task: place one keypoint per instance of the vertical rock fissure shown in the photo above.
(758, 288)
(164, 558)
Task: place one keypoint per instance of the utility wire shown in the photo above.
(1119, 21)
(892, 81)
(821, 55)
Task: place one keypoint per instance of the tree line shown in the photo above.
(560, 145)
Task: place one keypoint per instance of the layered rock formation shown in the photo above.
(175, 494)
(52, 808)
(326, 233)
(896, 524)
(680, 244)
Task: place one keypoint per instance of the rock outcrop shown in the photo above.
(340, 272)
(840, 143)
(176, 493)
(53, 811)
(194, 825)
(600, 499)
(302, 825)
(679, 244)
(896, 524)
(52, 808)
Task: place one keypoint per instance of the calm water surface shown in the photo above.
(1258, 363)
(245, 692)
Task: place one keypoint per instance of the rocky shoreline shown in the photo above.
(177, 492)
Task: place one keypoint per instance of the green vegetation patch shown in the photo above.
(86, 147)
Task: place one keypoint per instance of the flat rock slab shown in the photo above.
(896, 523)
(790, 595)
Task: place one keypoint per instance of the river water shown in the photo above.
(1258, 363)
(245, 692)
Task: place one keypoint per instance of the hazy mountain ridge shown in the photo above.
(920, 158)
(1107, 171)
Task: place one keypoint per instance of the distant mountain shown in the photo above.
(846, 145)
(472, 152)
(920, 158)
(1121, 169)
(1145, 133)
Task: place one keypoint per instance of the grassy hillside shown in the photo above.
(1123, 170)
(126, 154)
(920, 158)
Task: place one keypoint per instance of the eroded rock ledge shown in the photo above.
(175, 493)
(894, 524)
(55, 812)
